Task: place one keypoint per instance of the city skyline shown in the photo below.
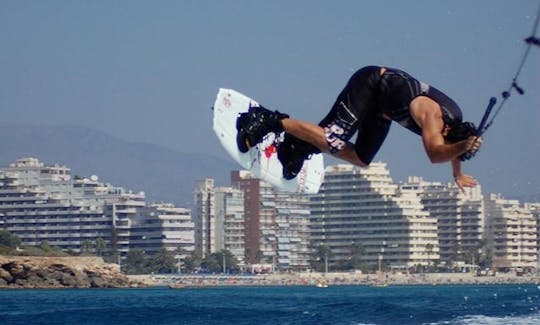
(410, 224)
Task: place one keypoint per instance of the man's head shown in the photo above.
(460, 131)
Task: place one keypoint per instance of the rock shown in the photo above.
(5, 275)
(61, 272)
(15, 269)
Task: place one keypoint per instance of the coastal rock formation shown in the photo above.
(61, 272)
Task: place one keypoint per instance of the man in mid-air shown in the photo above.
(371, 100)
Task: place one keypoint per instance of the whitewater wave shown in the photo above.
(533, 319)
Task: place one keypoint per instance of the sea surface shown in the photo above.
(485, 304)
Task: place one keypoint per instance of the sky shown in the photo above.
(149, 71)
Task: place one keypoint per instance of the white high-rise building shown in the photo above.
(162, 225)
(40, 203)
(511, 232)
(363, 206)
(460, 217)
(230, 219)
(204, 217)
(292, 233)
(535, 210)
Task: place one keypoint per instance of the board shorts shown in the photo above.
(356, 110)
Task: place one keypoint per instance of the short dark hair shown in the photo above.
(460, 131)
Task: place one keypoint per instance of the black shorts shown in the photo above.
(356, 110)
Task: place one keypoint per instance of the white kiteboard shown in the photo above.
(262, 160)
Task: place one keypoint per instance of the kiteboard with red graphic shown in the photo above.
(261, 160)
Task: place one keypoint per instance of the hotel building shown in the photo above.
(230, 234)
(512, 234)
(292, 232)
(460, 218)
(363, 205)
(276, 224)
(40, 203)
(204, 217)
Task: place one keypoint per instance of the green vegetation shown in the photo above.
(137, 262)
(8, 240)
(11, 245)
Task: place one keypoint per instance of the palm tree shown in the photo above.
(322, 254)
(100, 246)
(357, 251)
(135, 262)
(191, 262)
(429, 250)
(162, 262)
(87, 247)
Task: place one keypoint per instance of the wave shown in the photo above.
(533, 319)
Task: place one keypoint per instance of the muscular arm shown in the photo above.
(428, 116)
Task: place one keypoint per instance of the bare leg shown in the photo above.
(315, 135)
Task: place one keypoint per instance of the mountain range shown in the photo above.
(165, 175)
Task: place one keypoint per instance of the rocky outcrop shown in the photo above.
(61, 272)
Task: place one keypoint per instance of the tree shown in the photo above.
(357, 251)
(486, 259)
(227, 261)
(162, 262)
(429, 250)
(191, 262)
(473, 253)
(135, 262)
(321, 256)
(211, 264)
(87, 247)
(9, 240)
(45, 247)
(101, 245)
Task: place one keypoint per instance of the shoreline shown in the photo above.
(179, 281)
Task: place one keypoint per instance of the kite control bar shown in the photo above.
(483, 127)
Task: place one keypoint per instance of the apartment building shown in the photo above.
(162, 226)
(230, 233)
(204, 217)
(292, 231)
(460, 218)
(363, 206)
(512, 233)
(260, 218)
(277, 224)
(40, 203)
(251, 187)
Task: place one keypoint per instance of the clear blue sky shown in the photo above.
(148, 71)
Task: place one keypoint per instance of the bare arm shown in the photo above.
(428, 116)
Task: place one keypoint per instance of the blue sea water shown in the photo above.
(497, 304)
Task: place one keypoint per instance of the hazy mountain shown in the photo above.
(164, 174)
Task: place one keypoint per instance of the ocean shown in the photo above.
(444, 304)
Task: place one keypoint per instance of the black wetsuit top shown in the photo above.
(398, 89)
